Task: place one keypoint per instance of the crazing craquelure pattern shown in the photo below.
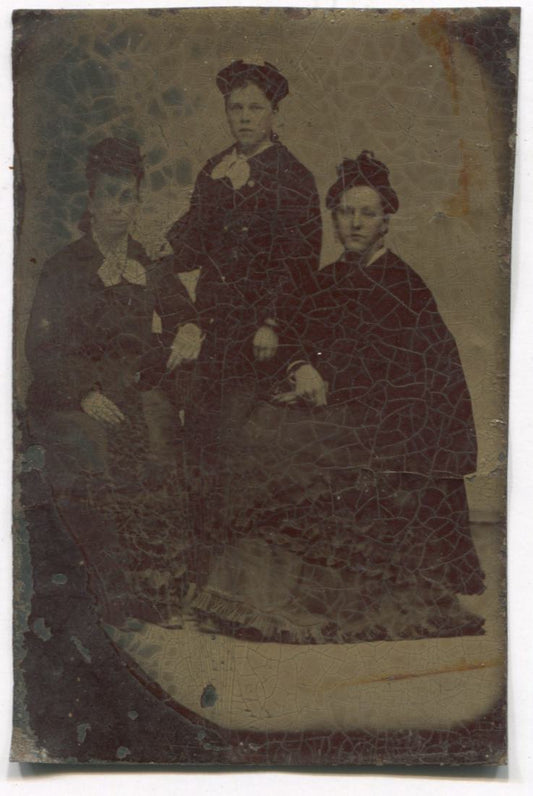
(262, 272)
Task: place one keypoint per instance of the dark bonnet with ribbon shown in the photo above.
(267, 77)
(365, 170)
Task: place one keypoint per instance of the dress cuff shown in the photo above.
(295, 365)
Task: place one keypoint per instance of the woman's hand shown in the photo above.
(308, 384)
(265, 343)
(100, 408)
(186, 346)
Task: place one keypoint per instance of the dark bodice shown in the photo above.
(256, 245)
(83, 334)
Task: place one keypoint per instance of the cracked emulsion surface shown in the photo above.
(412, 88)
(430, 683)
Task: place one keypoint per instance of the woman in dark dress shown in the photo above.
(91, 405)
(362, 503)
(254, 230)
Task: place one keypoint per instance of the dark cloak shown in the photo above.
(360, 507)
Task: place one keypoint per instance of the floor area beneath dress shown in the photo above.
(242, 685)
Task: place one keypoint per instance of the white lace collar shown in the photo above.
(117, 265)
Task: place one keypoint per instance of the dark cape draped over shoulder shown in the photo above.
(357, 510)
(378, 338)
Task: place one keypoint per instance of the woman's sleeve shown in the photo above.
(185, 234)
(62, 373)
(411, 382)
(174, 309)
(187, 239)
(296, 245)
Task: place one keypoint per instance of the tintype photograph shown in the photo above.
(262, 265)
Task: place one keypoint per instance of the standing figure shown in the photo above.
(91, 403)
(358, 528)
(254, 229)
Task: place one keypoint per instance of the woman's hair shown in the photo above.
(115, 157)
(266, 77)
(364, 170)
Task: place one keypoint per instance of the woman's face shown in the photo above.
(360, 221)
(114, 203)
(250, 116)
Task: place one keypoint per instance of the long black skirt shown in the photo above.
(298, 539)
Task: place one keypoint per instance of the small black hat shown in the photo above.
(267, 77)
(365, 170)
(114, 156)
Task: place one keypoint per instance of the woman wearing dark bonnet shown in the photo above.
(254, 230)
(364, 508)
(91, 403)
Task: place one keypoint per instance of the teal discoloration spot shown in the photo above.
(157, 180)
(173, 96)
(84, 652)
(155, 156)
(33, 459)
(81, 731)
(184, 171)
(41, 629)
(209, 696)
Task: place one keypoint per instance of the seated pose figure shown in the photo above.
(91, 405)
(352, 518)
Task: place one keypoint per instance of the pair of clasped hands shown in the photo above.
(307, 382)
